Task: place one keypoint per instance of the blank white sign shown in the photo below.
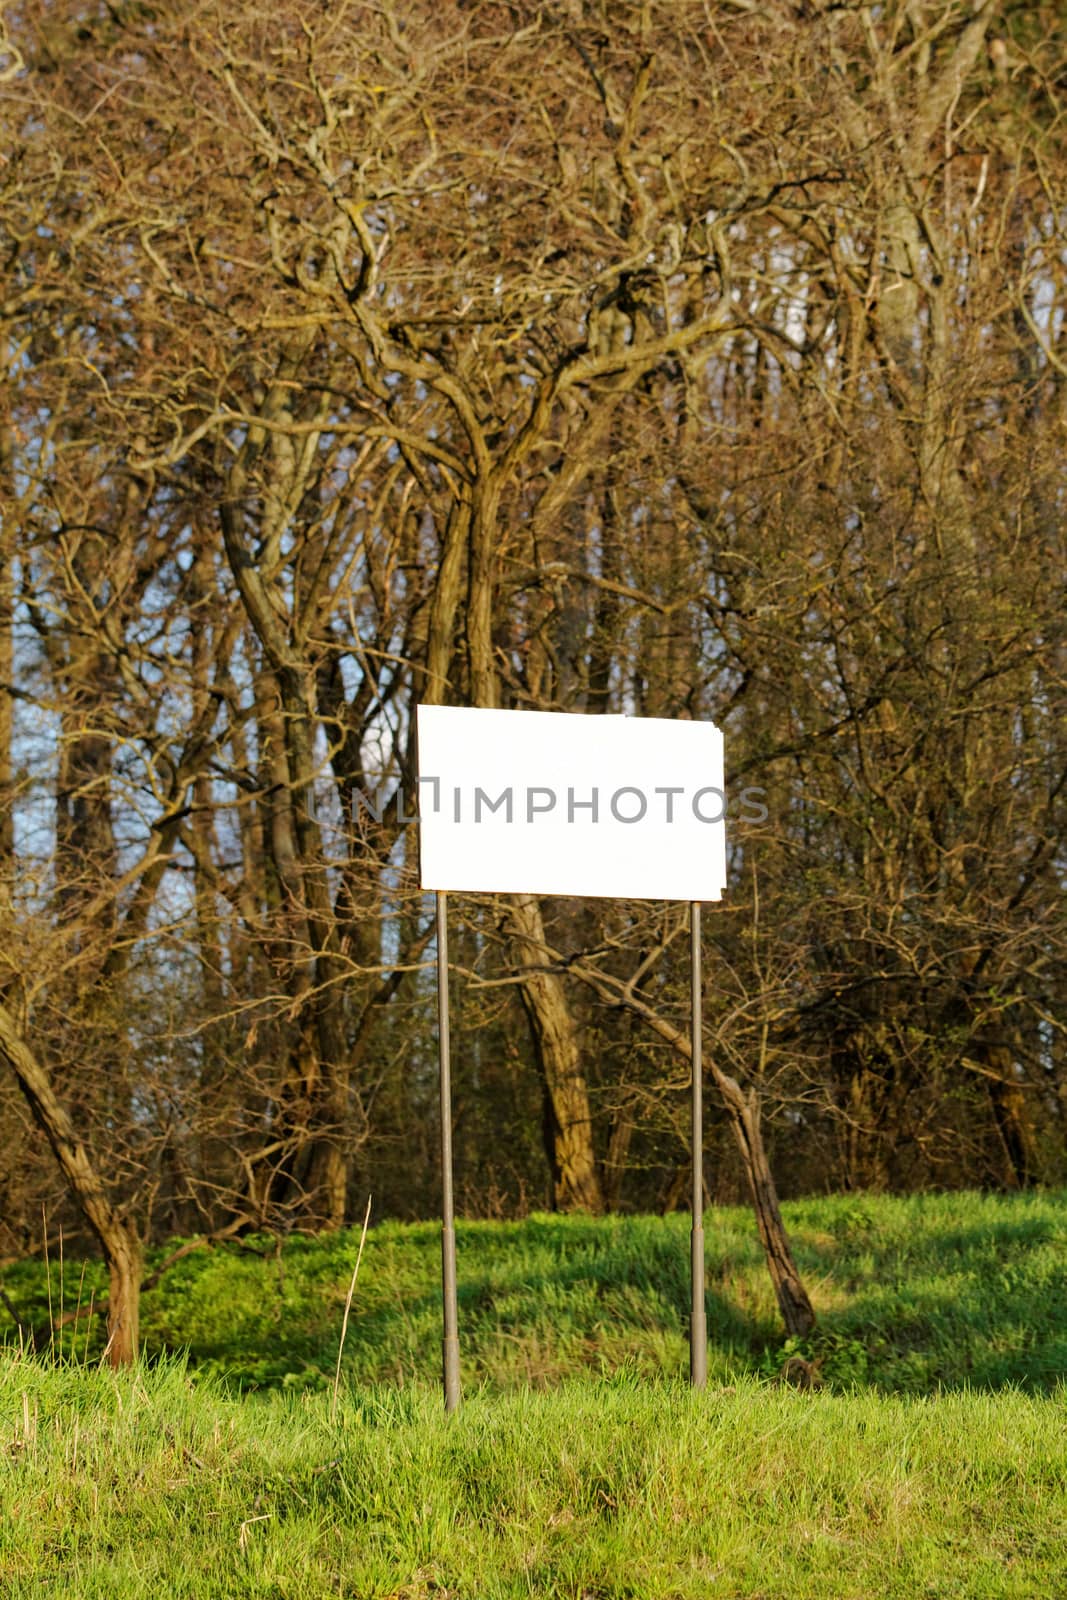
(551, 803)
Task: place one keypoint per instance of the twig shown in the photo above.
(88, 1327)
(242, 1538)
(348, 1307)
(48, 1274)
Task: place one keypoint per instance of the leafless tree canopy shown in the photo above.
(693, 358)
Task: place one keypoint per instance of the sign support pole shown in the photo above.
(449, 1306)
(698, 1327)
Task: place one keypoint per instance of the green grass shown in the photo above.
(580, 1466)
(148, 1484)
(913, 1295)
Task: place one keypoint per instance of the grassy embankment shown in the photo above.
(168, 1481)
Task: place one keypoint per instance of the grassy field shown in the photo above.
(913, 1295)
(933, 1462)
(150, 1485)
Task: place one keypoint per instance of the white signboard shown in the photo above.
(549, 803)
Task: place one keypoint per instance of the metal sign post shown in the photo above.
(450, 1342)
(698, 1326)
(532, 802)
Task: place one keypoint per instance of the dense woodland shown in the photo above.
(690, 358)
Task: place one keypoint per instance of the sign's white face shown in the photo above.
(549, 803)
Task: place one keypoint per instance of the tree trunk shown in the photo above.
(121, 1247)
(1011, 1113)
(7, 704)
(743, 1111)
(313, 1179)
(568, 1121)
(744, 1114)
(123, 1255)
